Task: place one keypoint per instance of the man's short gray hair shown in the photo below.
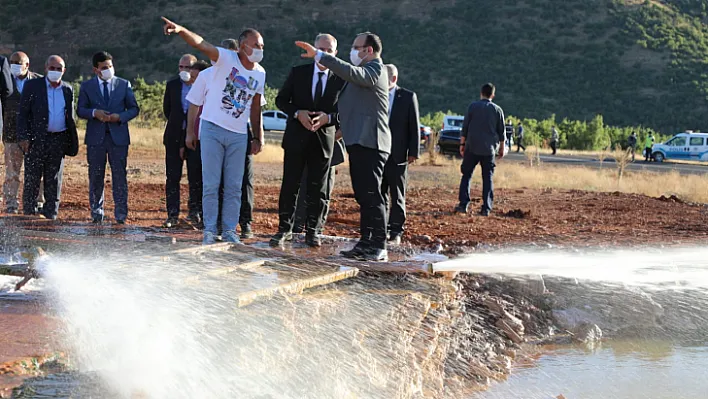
(229, 44)
(327, 36)
(392, 70)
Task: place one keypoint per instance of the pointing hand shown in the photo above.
(310, 52)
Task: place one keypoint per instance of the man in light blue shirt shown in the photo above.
(46, 132)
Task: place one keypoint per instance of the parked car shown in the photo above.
(451, 122)
(274, 120)
(449, 142)
(685, 146)
(425, 132)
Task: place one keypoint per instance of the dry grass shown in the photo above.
(511, 175)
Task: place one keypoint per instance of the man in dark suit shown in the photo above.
(108, 103)
(14, 157)
(46, 130)
(309, 96)
(404, 122)
(301, 208)
(363, 111)
(175, 106)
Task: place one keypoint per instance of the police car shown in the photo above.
(683, 146)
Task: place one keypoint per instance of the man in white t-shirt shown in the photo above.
(233, 95)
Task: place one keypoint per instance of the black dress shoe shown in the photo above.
(170, 222)
(484, 212)
(120, 221)
(280, 238)
(313, 240)
(246, 231)
(355, 252)
(373, 255)
(97, 220)
(395, 239)
(460, 209)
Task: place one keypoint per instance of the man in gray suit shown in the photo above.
(363, 112)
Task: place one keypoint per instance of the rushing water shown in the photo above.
(136, 329)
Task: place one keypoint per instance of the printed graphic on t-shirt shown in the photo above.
(236, 93)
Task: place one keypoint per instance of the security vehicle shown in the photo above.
(683, 146)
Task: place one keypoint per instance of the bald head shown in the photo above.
(186, 62)
(392, 76)
(54, 68)
(21, 62)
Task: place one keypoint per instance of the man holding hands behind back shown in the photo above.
(483, 133)
(363, 110)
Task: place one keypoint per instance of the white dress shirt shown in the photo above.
(315, 77)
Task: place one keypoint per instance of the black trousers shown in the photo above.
(246, 215)
(366, 167)
(301, 207)
(554, 146)
(315, 188)
(173, 170)
(194, 175)
(519, 144)
(45, 160)
(393, 188)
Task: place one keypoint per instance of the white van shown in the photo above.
(452, 122)
(685, 146)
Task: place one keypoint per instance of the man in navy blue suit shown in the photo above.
(46, 132)
(108, 103)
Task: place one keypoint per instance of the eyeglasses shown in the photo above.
(326, 50)
(54, 68)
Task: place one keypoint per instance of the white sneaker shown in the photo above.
(208, 238)
(230, 236)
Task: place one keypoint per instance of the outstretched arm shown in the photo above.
(191, 38)
(366, 75)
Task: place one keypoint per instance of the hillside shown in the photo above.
(633, 62)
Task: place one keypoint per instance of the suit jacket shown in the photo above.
(363, 102)
(5, 87)
(33, 115)
(121, 101)
(172, 107)
(405, 126)
(338, 154)
(11, 107)
(296, 94)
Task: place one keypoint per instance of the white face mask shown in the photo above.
(54, 76)
(16, 69)
(256, 55)
(107, 74)
(185, 76)
(354, 57)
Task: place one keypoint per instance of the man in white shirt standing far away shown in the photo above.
(233, 95)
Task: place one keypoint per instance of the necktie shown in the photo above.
(106, 98)
(318, 88)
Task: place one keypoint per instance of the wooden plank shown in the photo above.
(295, 287)
(225, 270)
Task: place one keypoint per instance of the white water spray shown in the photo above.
(673, 268)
